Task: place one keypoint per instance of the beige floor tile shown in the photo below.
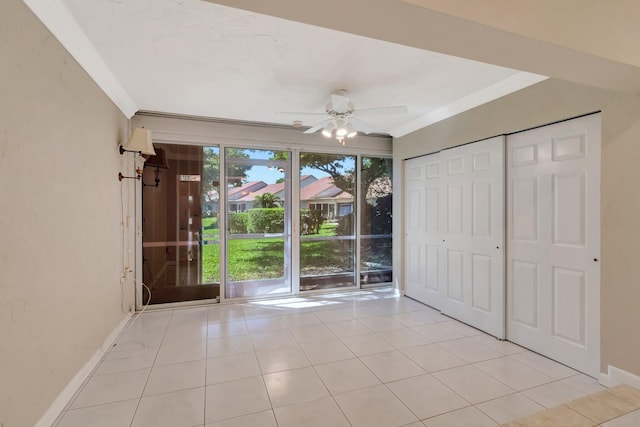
(631, 419)
(513, 373)
(346, 375)
(472, 384)
(413, 318)
(627, 393)
(234, 367)
(470, 350)
(392, 366)
(310, 333)
(183, 408)
(464, 329)
(226, 346)
(118, 414)
(108, 388)
(364, 345)
(584, 383)
(403, 338)
(426, 396)
(261, 419)
(436, 332)
(295, 386)
(553, 394)
(236, 398)
(348, 328)
(508, 408)
(327, 351)
(501, 346)
(548, 367)
(602, 406)
(556, 417)
(374, 407)
(281, 359)
(180, 376)
(466, 417)
(433, 358)
(323, 412)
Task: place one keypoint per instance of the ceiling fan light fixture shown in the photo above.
(328, 130)
(351, 130)
(341, 129)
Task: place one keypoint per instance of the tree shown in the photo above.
(268, 200)
(236, 174)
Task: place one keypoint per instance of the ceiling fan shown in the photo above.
(344, 121)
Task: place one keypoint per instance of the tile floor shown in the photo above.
(366, 358)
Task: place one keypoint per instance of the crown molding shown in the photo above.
(57, 18)
(497, 90)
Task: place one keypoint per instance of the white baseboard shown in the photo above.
(65, 396)
(615, 376)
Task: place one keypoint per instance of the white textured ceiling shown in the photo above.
(198, 58)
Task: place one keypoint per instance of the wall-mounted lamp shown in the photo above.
(139, 142)
(158, 161)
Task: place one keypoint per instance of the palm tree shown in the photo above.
(268, 200)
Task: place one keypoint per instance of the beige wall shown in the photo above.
(60, 234)
(547, 102)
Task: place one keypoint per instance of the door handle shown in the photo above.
(595, 260)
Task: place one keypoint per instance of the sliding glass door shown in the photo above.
(258, 231)
(327, 221)
(222, 218)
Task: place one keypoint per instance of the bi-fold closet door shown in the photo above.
(455, 243)
(553, 237)
(454, 233)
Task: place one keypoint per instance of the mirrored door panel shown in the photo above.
(181, 237)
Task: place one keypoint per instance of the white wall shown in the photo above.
(61, 252)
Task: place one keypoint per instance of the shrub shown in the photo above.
(311, 221)
(345, 225)
(238, 222)
(266, 220)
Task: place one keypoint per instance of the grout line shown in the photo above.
(166, 328)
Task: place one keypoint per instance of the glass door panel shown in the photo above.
(258, 222)
(180, 243)
(375, 221)
(327, 221)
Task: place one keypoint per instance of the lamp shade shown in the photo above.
(140, 142)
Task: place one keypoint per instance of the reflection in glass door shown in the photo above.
(375, 220)
(327, 221)
(258, 234)
(181, 238)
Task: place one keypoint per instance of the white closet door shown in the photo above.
(553, 273)
(473, 253)
(423, 229)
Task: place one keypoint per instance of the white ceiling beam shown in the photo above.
(408, 24)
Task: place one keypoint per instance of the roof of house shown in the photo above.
(271, 188)
(322, 188)
(236, 193)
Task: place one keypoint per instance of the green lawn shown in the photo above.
(251, 259)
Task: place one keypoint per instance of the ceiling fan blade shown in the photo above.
(362, 126)
(316, 127)
(383, 111)
(299, 113)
